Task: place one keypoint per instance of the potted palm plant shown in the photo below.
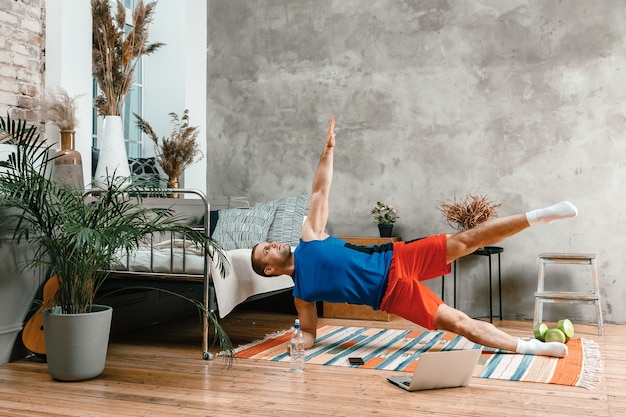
(76, 240)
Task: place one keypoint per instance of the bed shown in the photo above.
(167, 261)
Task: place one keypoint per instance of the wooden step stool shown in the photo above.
(569, 297)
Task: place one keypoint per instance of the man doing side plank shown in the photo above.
(388, 277)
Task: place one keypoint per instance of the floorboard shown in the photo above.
(159, 370)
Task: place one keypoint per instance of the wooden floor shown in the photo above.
(158, 371)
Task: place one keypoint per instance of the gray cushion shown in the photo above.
(287, 224)
(243, 228)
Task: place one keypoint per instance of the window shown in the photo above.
(134, 104)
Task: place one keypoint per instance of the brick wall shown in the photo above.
(22, 25)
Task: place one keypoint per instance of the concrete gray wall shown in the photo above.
(522, 101)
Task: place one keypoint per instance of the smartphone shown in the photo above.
(356, 361)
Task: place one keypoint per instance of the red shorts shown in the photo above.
(411, 263)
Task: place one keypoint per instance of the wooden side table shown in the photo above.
(352, 311)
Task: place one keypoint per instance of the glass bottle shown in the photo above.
(297, 348)
(68, 164)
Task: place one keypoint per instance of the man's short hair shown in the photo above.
(256, 266)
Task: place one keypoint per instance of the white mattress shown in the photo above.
(164, 259)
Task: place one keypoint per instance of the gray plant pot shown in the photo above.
(76, 344)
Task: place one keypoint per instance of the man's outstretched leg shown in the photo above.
(495, 230)
(489, 233)
(486, 334)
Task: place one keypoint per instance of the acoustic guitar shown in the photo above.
(32, 335)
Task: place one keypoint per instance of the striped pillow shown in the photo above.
(287, 224)
(243, 228)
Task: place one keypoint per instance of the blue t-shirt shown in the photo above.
(336, 271)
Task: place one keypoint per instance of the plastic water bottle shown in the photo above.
(296, 348)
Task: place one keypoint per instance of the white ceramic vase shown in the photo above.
(113, 159)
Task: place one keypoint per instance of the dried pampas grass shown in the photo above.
(115, 53)
(180, 150)
(59, 108)
(470, 212)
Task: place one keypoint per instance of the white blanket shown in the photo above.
(240, 284)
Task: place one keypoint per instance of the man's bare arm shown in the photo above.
(307, 314)
(315, 226)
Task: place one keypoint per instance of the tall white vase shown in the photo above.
(113, 159)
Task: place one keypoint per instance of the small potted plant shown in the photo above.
(468, 212)
(385, 215)
(76, 240)
(176, 153)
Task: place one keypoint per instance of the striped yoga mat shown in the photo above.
(398, 350)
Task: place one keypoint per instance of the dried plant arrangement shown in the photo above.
(59, 108)
(180, 150)
(115, 53)
(470, 212)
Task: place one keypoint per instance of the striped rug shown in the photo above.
(398, 350)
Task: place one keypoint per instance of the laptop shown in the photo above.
(443, 369)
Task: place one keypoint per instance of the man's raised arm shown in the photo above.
(315, 226)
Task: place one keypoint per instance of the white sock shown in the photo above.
(562, 210)
(537, 347)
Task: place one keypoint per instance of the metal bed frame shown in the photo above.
(171, 280)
